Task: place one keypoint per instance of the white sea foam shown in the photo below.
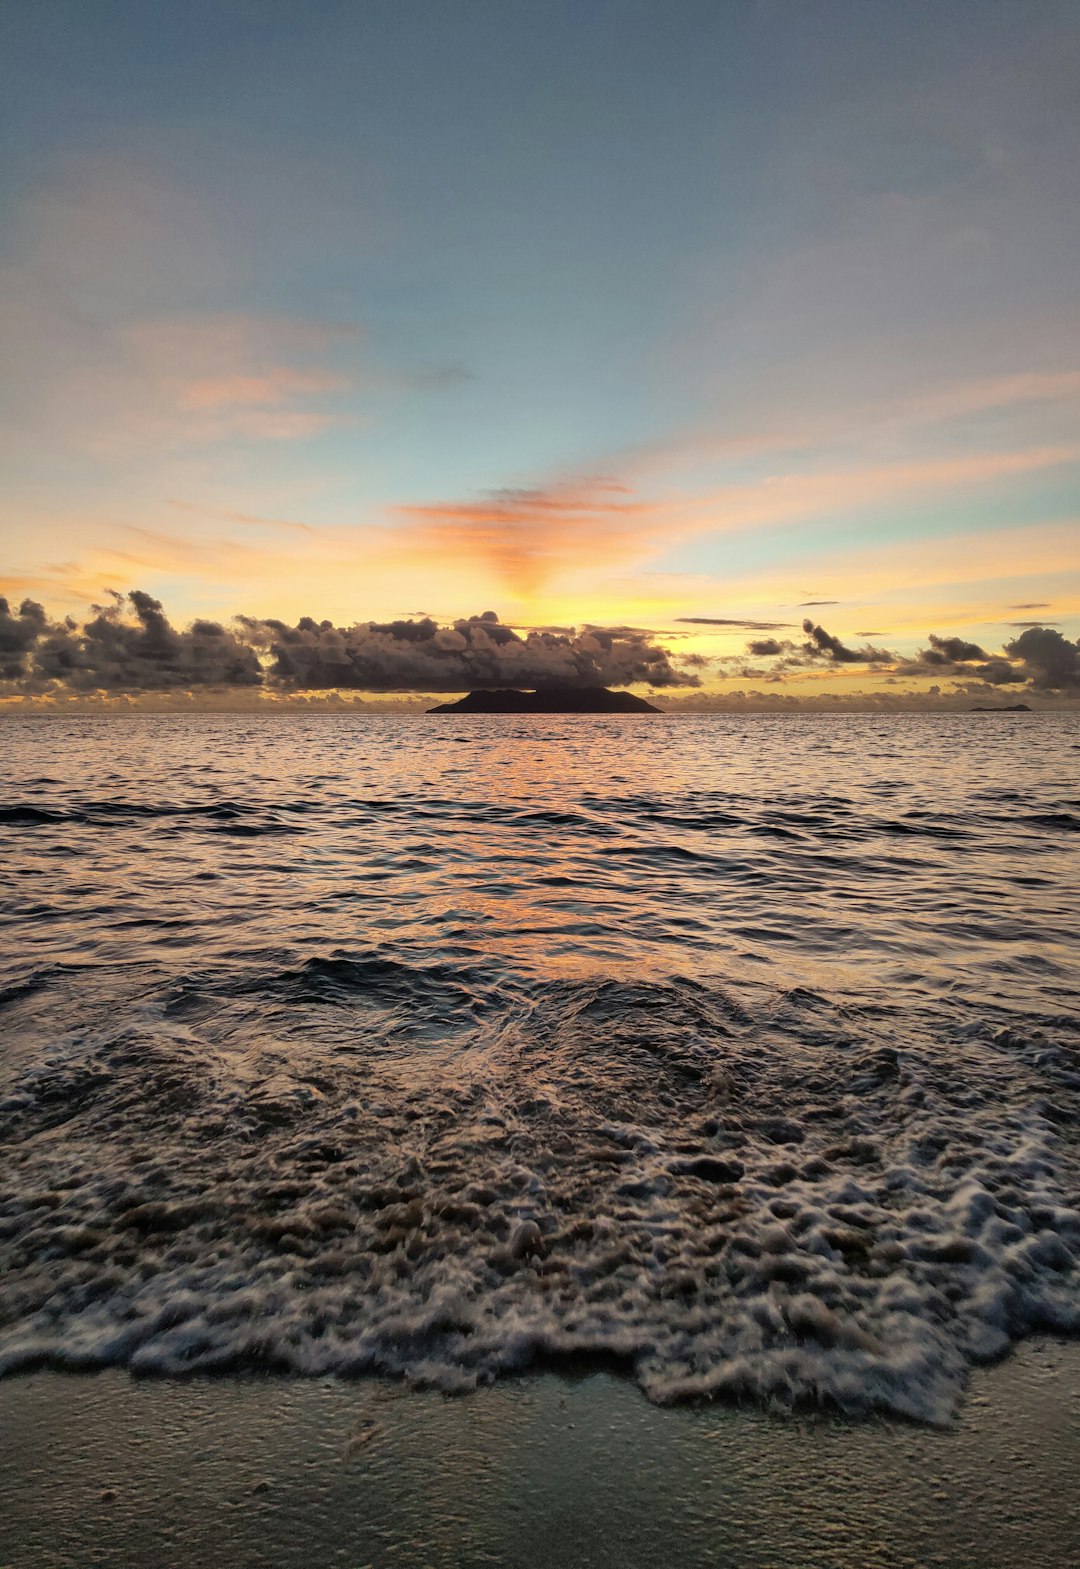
(739, 1053)
(798, 1205)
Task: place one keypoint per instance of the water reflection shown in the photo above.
(760, 1030)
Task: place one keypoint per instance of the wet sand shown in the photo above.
(104, 1469)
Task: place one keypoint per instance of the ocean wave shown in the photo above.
(227, 816)
(743, 1057)
(795, 1201)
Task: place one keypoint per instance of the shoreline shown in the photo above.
(105, 1469)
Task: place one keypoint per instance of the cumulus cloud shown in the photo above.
(1041, 658)
(823, 644)
(956, 656)
(475, 652)
(996, 672)
(128, 650)
(19, 631)
(763, 647)
(952, 650)
(1049, 660)
(130, 646)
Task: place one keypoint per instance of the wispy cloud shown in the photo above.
(989, 393)
(247, 519)
(112, 333)
(529, 535)
(784, 421)
(270, 389)
(733, 621)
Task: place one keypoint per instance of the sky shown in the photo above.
(687, 322)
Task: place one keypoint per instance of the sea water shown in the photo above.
(739, 1054)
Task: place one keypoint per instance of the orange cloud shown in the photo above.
(526, 536)
(530, 536)
(251, 519)
(791, 422)
(272, 388)
(993, 392)
(232, 374)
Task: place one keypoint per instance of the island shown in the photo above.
(549, 700)
(1004, 708)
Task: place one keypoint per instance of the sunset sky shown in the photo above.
(624, 315)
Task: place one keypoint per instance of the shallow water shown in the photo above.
(742, 1054)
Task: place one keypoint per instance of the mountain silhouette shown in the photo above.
(549, 700)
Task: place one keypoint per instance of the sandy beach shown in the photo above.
(540, 807)
(108, 1470)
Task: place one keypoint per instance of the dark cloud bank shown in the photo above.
(130, 647)
(1040, 659)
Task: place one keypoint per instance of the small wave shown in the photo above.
(17, 990)
(226, 815)
(39, 980)
(254, 830)
(483, 1071)
(791, 1204)
(29, 816)
(344, 978)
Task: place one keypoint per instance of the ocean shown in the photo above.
(740, 1055)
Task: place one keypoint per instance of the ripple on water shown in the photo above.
(493, 1060)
